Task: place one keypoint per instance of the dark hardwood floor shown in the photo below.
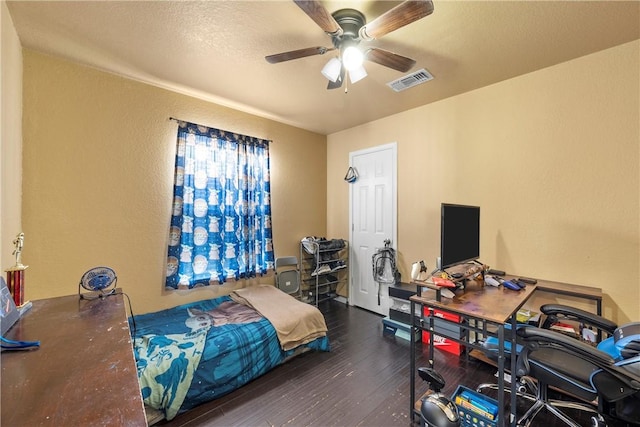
(363, 381)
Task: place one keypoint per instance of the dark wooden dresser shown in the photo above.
(84, 372)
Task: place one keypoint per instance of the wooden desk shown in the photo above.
(577, 291)
(83, 373)
(494, 304)
(491, 307)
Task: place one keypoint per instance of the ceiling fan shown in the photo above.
(347, 28)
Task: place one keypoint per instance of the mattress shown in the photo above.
(198, 352)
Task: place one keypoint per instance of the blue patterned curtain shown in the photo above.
(221, 220)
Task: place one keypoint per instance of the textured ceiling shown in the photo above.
(215, 49)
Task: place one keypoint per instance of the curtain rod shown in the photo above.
(187, 121)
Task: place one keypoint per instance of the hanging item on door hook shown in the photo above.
(385, 271)
(352, 175)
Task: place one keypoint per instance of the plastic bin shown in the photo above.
(484, 413)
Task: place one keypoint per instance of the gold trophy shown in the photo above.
(15, 274)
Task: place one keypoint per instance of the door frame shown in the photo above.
(394, 187)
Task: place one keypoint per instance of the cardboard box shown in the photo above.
(440, 342)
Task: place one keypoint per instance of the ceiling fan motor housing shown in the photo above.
(350, 20)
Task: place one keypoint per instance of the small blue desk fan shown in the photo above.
(99, 282)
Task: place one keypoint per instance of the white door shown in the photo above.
(372, 212)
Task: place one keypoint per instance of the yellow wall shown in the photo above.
(98, 175)
(551, 157)
(10, 138)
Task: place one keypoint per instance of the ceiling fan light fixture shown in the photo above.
(357, 74)
(352, 58)
(331, 70)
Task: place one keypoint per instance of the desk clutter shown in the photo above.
(457, 276)
(448, 281)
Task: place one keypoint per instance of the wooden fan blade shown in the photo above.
(338, 82)
(295, 54)
(320, 16)
(401, 15)
(389, 59)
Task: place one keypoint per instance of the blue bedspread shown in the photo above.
(197, 352)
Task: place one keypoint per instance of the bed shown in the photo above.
(198, 352)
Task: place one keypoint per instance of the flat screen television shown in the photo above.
(459, 234)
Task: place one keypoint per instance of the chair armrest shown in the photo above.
(538, 335)
(572, 313)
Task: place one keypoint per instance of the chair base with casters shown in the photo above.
(542, 401)
(529, 390)
(581, 370)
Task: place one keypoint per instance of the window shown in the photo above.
(221, 220)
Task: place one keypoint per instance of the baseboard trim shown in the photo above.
(342, 299)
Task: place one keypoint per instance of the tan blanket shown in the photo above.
(296, 322)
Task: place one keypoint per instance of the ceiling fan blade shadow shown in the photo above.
(401, 15)
(295, 54)
(338, 83)
(321, 16)
(389, 59)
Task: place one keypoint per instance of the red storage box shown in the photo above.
(452, 330)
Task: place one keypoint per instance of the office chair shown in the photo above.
(606, 377)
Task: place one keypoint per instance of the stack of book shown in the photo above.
(474, 408)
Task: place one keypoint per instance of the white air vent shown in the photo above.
(410, 80)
